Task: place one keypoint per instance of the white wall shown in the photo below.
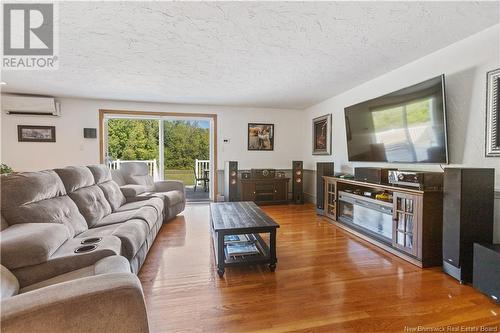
(464, 64)
(72, 149)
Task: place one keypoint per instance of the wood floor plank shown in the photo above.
(327, 280)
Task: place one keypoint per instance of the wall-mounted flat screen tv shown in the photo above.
(406, 126)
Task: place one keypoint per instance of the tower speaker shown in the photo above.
(468, 201)
(322, 169)
(231, 181)
(297, 182)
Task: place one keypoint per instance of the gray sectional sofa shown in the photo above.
(48, 217)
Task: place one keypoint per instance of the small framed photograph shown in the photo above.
(30, 133)
(260, 137)
(322, 135)
(493, 114)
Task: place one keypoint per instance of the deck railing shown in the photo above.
(199, 167)
(152, 166)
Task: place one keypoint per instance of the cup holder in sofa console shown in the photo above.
(85, 248)
(91, 240)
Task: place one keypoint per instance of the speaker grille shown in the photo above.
(297, 182)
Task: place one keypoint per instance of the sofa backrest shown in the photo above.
(118, 177)
(89, 198)
(39, 197)
(112, 192)
(137, 173)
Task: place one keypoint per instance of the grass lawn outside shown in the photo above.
(187, 176)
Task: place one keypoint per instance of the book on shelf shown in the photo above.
(234, 239)
(242, 249)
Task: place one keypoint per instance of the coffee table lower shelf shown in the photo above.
(265, 256)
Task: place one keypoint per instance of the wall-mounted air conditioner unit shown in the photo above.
(30, 105)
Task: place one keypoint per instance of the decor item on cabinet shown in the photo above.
(35, 133)
(322, 169)
(260, 136)
(245, 175)
(372, 175)
(493, 114)
(90, 133)
(231, 180)
(297, 182)
(322, 135)
(280, 174)
(419, 179)
(468, 202)
(263, 173)
(487, 270)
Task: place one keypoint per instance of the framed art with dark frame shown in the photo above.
(493, 114)
(34, 133)
(260, 137)
(322, 135)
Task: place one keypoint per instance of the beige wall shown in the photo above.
(72, 149)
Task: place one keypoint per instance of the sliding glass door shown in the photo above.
(173, 148)
(186, 151)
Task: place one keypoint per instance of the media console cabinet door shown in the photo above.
(248, 191)
(405, 231)
(330, 198)
(280, 190)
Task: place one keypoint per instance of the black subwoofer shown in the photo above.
(468, 201)
(322, 169)
(297, 182)
(487, 270)
(231, 181)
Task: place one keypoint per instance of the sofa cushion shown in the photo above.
(39, 197)
(133, 190)
(9, 286)
(153, 202)
(132, 233)
(111, 264)
(113, 194)
(101, 173)
(149, 214)
(137, 173)
(92, 204)
(75, 177)
(29, 244)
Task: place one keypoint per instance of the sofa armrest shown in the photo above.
(132, 190)
(102, 303)
(169, 185)
(28, 244)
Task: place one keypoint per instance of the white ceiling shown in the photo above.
(269, 54)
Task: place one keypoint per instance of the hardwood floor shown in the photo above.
(327, 280)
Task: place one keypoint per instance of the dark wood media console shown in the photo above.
(406, 222)
(264, 191)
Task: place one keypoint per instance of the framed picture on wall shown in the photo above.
(322, 135)
(493, 114)
(260, 136)
(31, 133)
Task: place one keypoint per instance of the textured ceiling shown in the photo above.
(271, 54)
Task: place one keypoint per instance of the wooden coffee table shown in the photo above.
(237, 218)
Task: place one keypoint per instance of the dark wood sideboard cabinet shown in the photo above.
(265, 191)
(409, 225)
